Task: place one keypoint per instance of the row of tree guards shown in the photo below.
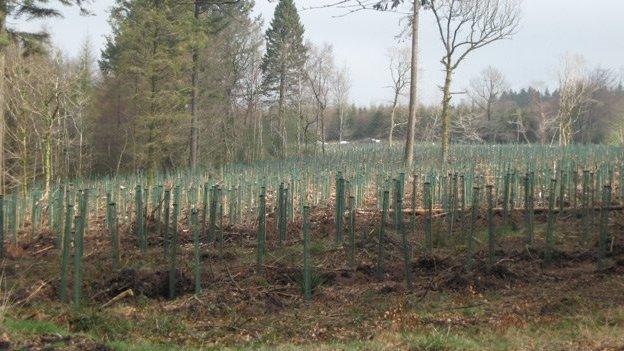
(442, 209)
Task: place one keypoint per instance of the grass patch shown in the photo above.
(99, 324)
(440, 341)
(125, 346)
(32, 327)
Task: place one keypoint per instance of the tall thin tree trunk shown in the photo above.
(300, 115)
(151, 156)
(281, 117)
(260, 153)
(254, 136)
(2, 113)
(24, 162)
(413, 104)
(395, 102)
(318, 132)
(47, 163)
(194, 70)
(2, 92)
(446, 114)
(341, 117)
(251, 127)
(67, 147)
(80, 146)
(299, 134)
(322, 113)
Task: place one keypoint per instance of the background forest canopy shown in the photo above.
(202, 83)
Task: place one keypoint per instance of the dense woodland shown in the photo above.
(183, 83)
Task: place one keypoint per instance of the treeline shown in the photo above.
(49, 104)
(201, 83)
(187, 84)
(178, 84)
(584, 108)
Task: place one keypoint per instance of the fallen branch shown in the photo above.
(232, 278)
(43, 250)
(123, 295)
(33, 294)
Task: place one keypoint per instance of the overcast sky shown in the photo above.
(549, 30)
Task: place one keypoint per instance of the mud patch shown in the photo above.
(294, 276)
(430, 263)
(480, 278)
(149, 283)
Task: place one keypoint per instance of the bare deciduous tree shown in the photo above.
(575, 92)
(486, 88)
(467, 125)
(341, 86)
(544, 119)
(319, 74)
(399, 67)
(484, 92)
(352, 6)
(46, 113)
(413, 102)
(465, 26)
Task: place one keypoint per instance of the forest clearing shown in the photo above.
(514, 247)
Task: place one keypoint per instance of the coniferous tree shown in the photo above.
(283, 62)
(210, 17)
(174, 69)
(227, 80)
(146, 60)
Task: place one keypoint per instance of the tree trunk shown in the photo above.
(299, 132)
(47, 163)
(566, 134)
(281, 117)
(24, 164)
(260, 152)
(341, 117)
(2, 113)
(80, 147)
(322, 115)
(413, 104)
(488, 110)
(299, 115)
(392, 117)
(3, 43)
(151, 155)
(194, 70)
(318, 132)
(446, 114)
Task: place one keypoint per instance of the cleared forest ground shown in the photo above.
(519, 303)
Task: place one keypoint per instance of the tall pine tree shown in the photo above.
(283, 62)
(171, 72)
(147, 60)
